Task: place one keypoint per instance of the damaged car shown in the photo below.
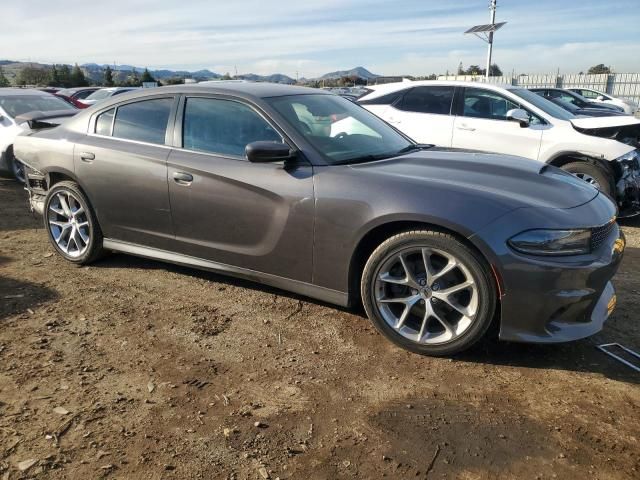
(308, 192)
(512, 120)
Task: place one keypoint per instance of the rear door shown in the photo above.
(257, 216)
(424, 114)
(481, 124)
(122, 165)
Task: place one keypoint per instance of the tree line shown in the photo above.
(64, 76)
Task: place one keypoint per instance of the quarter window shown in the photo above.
(104, 122)
(223, 126)
(144, 121)
(428, 100)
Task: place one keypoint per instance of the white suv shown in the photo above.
(513, 120)
(629, 106)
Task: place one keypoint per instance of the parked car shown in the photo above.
(629, 106)
(15, 102)
(306, 191)
(103, 94)
(584, 112)
(516, 121)
(75, 95)
(574, 98)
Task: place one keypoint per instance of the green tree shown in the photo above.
(173, 81)
(108, 77)
(64, 74)
(77, 77)
(55, 78)
(4, 81)
(147, 77)
(36, 76)
(134, 79)
(600, 68)
(226, 76)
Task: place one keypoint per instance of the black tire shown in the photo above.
(584, 170)
(93, 250)
(474, 263)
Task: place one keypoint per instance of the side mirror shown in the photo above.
(266, 152)
(518, 115)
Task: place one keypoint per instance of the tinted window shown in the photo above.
(428, 100)
(104, 121)
(223, 126)
(480, 103)
(16, 105)
(144, 121)
(387, 99)
(83, 94)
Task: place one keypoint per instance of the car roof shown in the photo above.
(385, 88)
(9, 92)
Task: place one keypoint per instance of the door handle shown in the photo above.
(87, 157)
(182, 178)
(464, 127)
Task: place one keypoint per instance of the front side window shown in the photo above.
(144, 121)
(480, 103)
(341, 131)
(223, 127)
(436, 99)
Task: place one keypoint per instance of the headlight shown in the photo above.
(552, 242)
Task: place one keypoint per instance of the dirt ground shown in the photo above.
(133, 369)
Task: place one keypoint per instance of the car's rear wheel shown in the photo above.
(591, 174)
(71, 224)
(428, 292)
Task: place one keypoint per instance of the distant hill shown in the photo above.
(95, 73)
(359, 72)
(275, 78)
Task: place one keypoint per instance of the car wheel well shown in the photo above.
(57, 177)
(609, 168)
(372, 239)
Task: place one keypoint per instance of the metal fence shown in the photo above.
(624, 85)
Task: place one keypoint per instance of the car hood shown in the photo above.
(515, 182)
(604, 122)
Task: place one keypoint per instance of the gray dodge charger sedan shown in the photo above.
(308, 192)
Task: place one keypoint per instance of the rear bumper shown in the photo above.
(555, 299)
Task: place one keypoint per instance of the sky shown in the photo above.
(308, 38)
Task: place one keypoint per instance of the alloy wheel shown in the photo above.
(587, 178)
(69, 224)
(426, 295)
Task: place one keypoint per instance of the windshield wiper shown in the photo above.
(363, 159)
(413, 147)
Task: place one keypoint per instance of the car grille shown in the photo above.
(600, 234)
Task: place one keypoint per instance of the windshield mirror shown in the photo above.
(340, 130)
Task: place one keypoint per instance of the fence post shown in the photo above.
(610, 82)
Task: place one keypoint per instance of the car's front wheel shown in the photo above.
(428, 292)
(591, 174)
(71, 223)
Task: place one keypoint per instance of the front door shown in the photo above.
(483, 125)
(257, 216)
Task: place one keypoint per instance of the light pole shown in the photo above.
(492, 8)
(485, 33)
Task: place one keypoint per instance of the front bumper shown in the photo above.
(555, 299)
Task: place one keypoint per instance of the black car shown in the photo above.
(584, 112)
(574, 98)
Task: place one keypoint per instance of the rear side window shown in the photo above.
(223, 127)
(428, 100)
(104, 122)
(144, 121)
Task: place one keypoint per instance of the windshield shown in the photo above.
(543, 104)
(340, 130)
(16, 105)
(100, 94)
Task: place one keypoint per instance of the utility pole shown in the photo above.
(485, 33)
(492, 8)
